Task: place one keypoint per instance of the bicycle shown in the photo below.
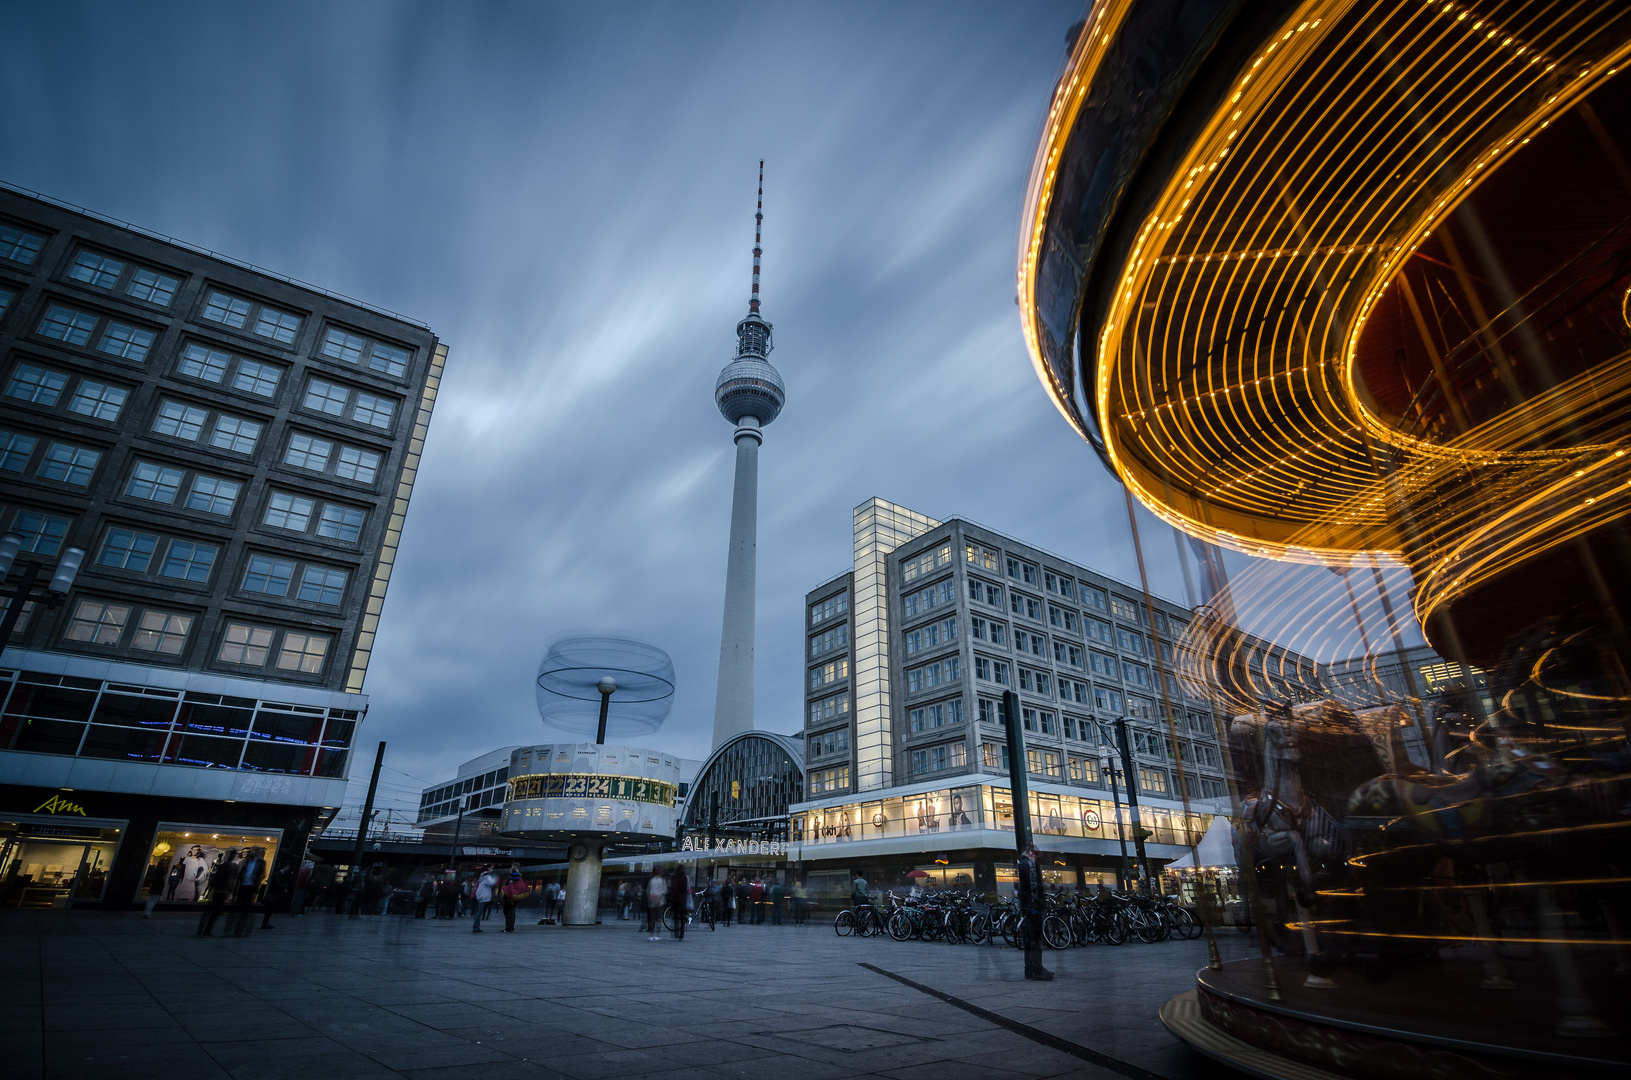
(702, 914)
(862, 920)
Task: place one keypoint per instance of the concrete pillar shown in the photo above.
(733, 696)
(582, 886)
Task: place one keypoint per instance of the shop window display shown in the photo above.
(52, 865)
(182, 857)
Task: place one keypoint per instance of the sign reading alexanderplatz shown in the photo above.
(585, 788)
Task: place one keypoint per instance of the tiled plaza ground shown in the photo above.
(111, 996)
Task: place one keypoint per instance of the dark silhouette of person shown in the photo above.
(1031, 906)
(221, 885)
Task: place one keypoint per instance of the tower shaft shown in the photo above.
(733, 699)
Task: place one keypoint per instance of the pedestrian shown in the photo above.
(481, 896)
(679, 898)
(514, 889)
(427, 893)
(776, 894)
(801, 899)
(277, 887)
(727, 900)
(252, 871)
(302, 889)
(374, 893)
(656, 896)
(222, 881)
(742, 892)
(157, 877)
(757, 898)
(1030, 907)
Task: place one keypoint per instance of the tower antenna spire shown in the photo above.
(758, 225)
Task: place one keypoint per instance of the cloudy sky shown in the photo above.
(565, 194)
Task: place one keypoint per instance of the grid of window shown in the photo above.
(1065, 653)
(829, 708)
(992, 711)
(357, 464)
(1100, 630)
(1125, 610)
(1028, 606)
(1058, 583)
(388, 359)
(1106, 699)
(1137, 674)
(306, 452)
(935, 759)
(1152, 780)
(41, 386)
(1037, 720)
(98, 400)
(829, 673)
(254, 377)
(189, 560)
(938, 715)
(277, 325)
(15, 450)
(931, 636)
(94, 269)
(236, 434)
(268, 575)
(323, 585)
(152, 286)
(1035, 644)
(155, 483)
(991, 670)
(213, 495)
(344, 523)
(819, 643)
(69, 464)
(302, 652)
(97, 623)
(1084, 770)
(981, 556)
(1064, 618)
(994, 632)
(285, 511)
(226, 310)
(1094, 598)
(181, 420)
(373, 410)
(162, 632)
(994, 755)
(1037, 682)
(123, 340)
(1130, 641)
(244, 644)
(1044, 763)
(1103, 665)
(926, 563)
(924, 600)
(66, 324)
(204, 363)
(19, 246)
(127, 550)
(830, 742)
(1071, 690)
(1020, 570)
(326, 397)
(6, 297)
(826, 781)
(340, 345)
(929, 676)
(830, 608)
(983, 592)
(42, 534)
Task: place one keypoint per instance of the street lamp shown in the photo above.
(1107, 762)
(607, 687)
(11, 545)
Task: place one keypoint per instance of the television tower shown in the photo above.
(750, 395)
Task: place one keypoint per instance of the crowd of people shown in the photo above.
(743, 899)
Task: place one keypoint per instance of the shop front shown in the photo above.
(72, 848)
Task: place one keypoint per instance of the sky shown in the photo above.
(565, 194)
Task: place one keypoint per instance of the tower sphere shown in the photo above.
(749, 387)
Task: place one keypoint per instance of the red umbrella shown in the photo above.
(919, 873)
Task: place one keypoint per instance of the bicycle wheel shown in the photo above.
(706, 914)
(900, 926)
(1147, 927)
(1080, 932)
(668, 918)
(1055, 932)
(1115, 928)
(844, 924)
(979, 929)
(869, 923)
(1187, 926)
(1009, 929)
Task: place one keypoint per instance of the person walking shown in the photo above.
(679, 898)
(1030, 907)
(481, 898)
(801, 900)
(756, 897)
(220, 885)
(727, 900)
(656, 897)
(302, 889)
(514, 889)
(777, 893)
(252, 871)
(427, 893)
(277, 887)
(157, 876)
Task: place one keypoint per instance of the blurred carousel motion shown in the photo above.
(1346, 287)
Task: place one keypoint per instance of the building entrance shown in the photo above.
(52, 865)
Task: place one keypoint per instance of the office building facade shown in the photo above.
(235, 453)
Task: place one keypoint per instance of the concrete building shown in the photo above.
(235, 452)
(908, 655)
(750, 395)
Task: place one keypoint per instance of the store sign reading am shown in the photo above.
(56, 804)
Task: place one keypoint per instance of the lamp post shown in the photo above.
(1129, 771)
(607, 687)
(1107, 762)
(11, 545)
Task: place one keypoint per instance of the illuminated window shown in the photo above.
(994, 755)
(1044, 763)
(303, 652)
(1084, 770)
(97, 623)
(1152, 780)
(246, 644)
(162, 632)
(826, 674)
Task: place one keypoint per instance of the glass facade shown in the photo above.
(182, 856)
(48, 862)
(880, 528)
(755, 779)
(94, 718)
